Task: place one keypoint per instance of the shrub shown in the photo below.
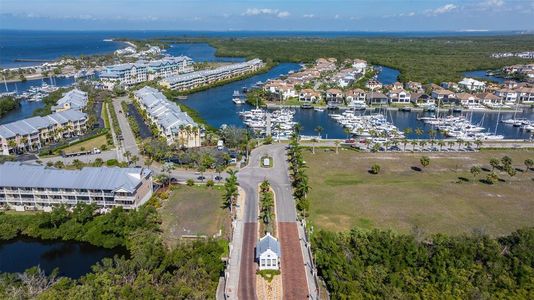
(190, 182)
(210, 183)
(375, 169)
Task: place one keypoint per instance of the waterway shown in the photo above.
(26, 108)
(200, 52)
(73, 259)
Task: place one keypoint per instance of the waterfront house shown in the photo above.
(334, 96)
(355, 96)
(397, 86)
(398, 96)
(471, 85)
(509, 96)
(33, 133)
(74, 99)
(526, 95)
(172, 123)
(309, 96)
(376, 98)
(443, 96)
(490, 100)
(31, 186)
(421, 98)
(467, 100)
(268, 253)
(325, 64)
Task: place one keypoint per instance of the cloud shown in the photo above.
(441, 10)
(266, 12)
(409, 14)
(309, 16)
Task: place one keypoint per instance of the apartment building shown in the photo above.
(74, 99)
(199, 78)
(173, 124)
(31, 186)
(141, 71)
(33, 133)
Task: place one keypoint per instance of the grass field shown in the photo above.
(193, 210)
(344, 194)
(97, 142)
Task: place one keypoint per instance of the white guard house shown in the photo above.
(268, 253)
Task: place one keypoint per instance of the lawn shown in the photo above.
(443, 197)
(96, 142)
(193, 210)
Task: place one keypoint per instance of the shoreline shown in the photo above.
(393, 108)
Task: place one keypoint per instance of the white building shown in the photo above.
(33, 133)
(268, 253)
(399, 96)
(141, 71)
(74, 99)
(173, 124)
(472, 85)
(31, 186)
(200, 78)
(359, 65)
(509, 96)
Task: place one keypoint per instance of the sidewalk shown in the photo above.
(311, 272)
(234, 262)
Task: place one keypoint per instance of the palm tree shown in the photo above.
(337, 145)
(475, 170)
(127, 154)
(413, 143)
(451, 144)
(148, 162)
(478, 143)
(12, 144)
(219, 168)
(347, 132)
(432, 133)
(528, 164)
(425, 161)
(297, 129)
(134, 159)
(419, 132)
(319, 130)
(422, 143)
(441, 143)
(460, 142)
(494, 163)
(408, 131)
(404, 142)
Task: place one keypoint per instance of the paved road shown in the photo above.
(247, 273)
(128, 143)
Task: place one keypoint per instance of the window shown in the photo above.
(263, 262)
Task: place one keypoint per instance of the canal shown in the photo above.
(73, 259)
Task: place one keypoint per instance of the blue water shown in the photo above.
(388, 75)
(26, 108)
(54, 44)
(73, 259)
(481, 74)
(200, 52)
(50, 45)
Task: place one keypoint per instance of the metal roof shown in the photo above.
(268, 242)
(34, 124)
(18, 174)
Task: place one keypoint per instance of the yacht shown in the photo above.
(237, 98)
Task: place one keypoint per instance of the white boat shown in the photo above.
(237, 98)
(319, 109)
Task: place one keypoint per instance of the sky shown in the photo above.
(269, 15)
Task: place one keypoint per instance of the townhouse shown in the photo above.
(141, 71)
(172, 123)
(526, 95)
(31, 186)
(490, 100)
(33, 133)
(334, 96)
(200, 78)
(74, 99)
(443, 96)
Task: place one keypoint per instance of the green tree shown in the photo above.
(494, 163)
(475, 171)
(425, 161)
(375, 169)
(528, 164)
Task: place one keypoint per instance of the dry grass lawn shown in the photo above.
(344, 194)
(193, 210)
(97, 142)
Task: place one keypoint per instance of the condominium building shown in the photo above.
(74, 99)
(172, 123)
(141, 71)
(199, 78)
(30, 186)
(33, 133)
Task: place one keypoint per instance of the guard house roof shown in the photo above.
(268, 242)
(18, 174)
